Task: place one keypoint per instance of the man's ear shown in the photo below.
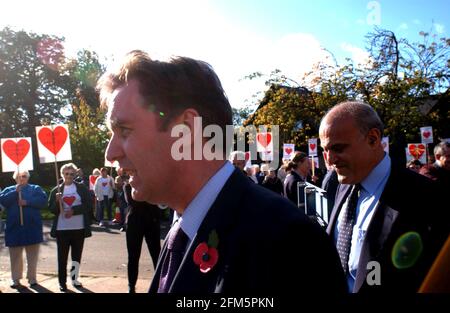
(187, 118)
(374, 136)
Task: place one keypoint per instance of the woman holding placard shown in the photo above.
(71, 204)
(23, 203)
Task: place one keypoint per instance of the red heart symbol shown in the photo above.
(247, 156)
(92, 178)
(288, 150)
(426, 134)
(53, 140)
(264, 139)
(104, 184)
(69, 200)
(312, 146)
(16, 151)
(416, 150)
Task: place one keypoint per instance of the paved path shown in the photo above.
(103, 265)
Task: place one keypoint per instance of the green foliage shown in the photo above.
(407, 83)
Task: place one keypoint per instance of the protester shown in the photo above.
(414, 165)
(121, 201)
(104, 192)
(71, 204)
(23, 203)
(298, 170)
(272, 182)
(439, 171)
(142, 222)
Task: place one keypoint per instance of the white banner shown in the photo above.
(427, 134)
(264, 142)
(312, 146)
(53, 141)
(16, 154)
(288, 151)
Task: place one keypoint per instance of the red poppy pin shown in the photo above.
(206, 255)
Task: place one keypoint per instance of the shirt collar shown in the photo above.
(377, 175)
(197, 209)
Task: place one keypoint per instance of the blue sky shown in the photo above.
(236, 36)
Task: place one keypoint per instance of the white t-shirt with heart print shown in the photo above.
(70, 199)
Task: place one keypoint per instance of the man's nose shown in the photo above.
(113, 150)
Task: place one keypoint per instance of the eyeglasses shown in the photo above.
(69, 174)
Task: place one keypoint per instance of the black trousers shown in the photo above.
(68, 240)
(141, 225)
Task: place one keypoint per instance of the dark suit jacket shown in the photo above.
(291, 191)
(409, 203)
(265, 245)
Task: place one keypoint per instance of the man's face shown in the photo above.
(22, 178)
(240, 164)
(444, 159)
(348, 150)
(68, 175)
(141, 149)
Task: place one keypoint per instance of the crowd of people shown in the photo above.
(75, 208)
(241, 229)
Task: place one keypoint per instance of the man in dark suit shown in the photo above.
(229, 235)
(387, 222)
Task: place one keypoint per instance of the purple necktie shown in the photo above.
(176, 244)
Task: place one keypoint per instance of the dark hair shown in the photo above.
(104, 169)
(298, 158)
(171, 87)
(414, 163)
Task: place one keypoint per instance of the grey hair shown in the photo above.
(16, 174)
(239, 155)
(441, 147)
(66, 166)
(364, 115)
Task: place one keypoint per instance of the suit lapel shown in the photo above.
(378, 230)
(342, 193)
(155, 281)
(220, 217)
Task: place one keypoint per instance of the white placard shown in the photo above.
(266, 155)
(288, 151)
(312, 146)
(114, 164)
(427, 134)
(264, 142)
(53, 141)
(16, 154)
(385, 144)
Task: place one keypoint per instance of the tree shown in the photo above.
(88, 136)
(407, 84)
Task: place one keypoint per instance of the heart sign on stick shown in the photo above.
(312, 146)
(288, 151)
(264, 142)
(53, 143)
(426, 134)
(16, 154)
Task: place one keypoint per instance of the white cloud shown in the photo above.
(165, 28)
(403, 26)
(359, 56)
(440, 28)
